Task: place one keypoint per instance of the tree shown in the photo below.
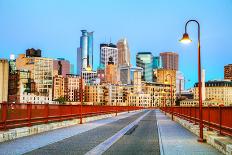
(61, 100)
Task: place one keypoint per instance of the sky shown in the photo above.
(149, 25)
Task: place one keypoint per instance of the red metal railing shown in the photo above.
(214, 118)
(19, 115)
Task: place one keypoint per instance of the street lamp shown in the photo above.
(169, 75)
(81, 95)
(186, 40)
(164, 101)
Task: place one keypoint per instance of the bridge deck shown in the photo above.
(130, 133)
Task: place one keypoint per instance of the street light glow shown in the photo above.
(185, 39)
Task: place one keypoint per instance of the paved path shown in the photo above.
(144, 132)
(143, 139)
(176, 140)
(82, 143)
(29, 143)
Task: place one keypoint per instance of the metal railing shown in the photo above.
(214, 118)
(21, 114)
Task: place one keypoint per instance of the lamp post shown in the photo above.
(81, 95)
(164, 101)
(169, 75)
(186, 40)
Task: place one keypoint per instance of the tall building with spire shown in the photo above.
(123, 52)
(85, 51)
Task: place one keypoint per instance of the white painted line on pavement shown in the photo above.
(102, 147)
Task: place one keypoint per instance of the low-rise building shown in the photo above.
(139, 99)
(194, 102)
(217, 90)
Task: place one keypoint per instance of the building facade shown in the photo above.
(170, 60)
(4, 75)
(72, 87)
(107, 51)
(145, 61)
(217, 90)
(228, 72)
(111, 72)
(157, 63)
(123, 52)
(41, 70)
(58, 87)
(61, 67)
(164, 76)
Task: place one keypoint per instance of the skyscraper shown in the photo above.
(90, 50)
(157, 62)
(123, 53)
(145, 61)
(107, 51)
(170, 60)
(85, 52)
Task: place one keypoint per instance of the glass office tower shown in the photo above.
(90, 50)
(85, 52)
(145, 61)
(157, 62)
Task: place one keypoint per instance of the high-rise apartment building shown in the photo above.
(41, 70)
(4, 74)
(61, 67)
(170, 60)
(145, 61)
(228, 72)
(123, 52)
(107, 51)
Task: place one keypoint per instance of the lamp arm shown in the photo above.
(198, 25)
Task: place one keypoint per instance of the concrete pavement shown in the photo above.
(176, 140)
(29, 143)
(131, 133)
(141, 140)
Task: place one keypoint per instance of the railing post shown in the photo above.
(4, 114)
(209, 117)
(46, 112)
(29, 109)
(195, 116)
(190, 115)
(220, 119)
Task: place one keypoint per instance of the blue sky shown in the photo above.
(149, 25)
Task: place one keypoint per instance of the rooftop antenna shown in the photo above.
(110, 39)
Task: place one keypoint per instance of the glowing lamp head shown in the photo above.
(185, 39)
(166, 81)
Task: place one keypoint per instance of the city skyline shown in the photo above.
(60, 36)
